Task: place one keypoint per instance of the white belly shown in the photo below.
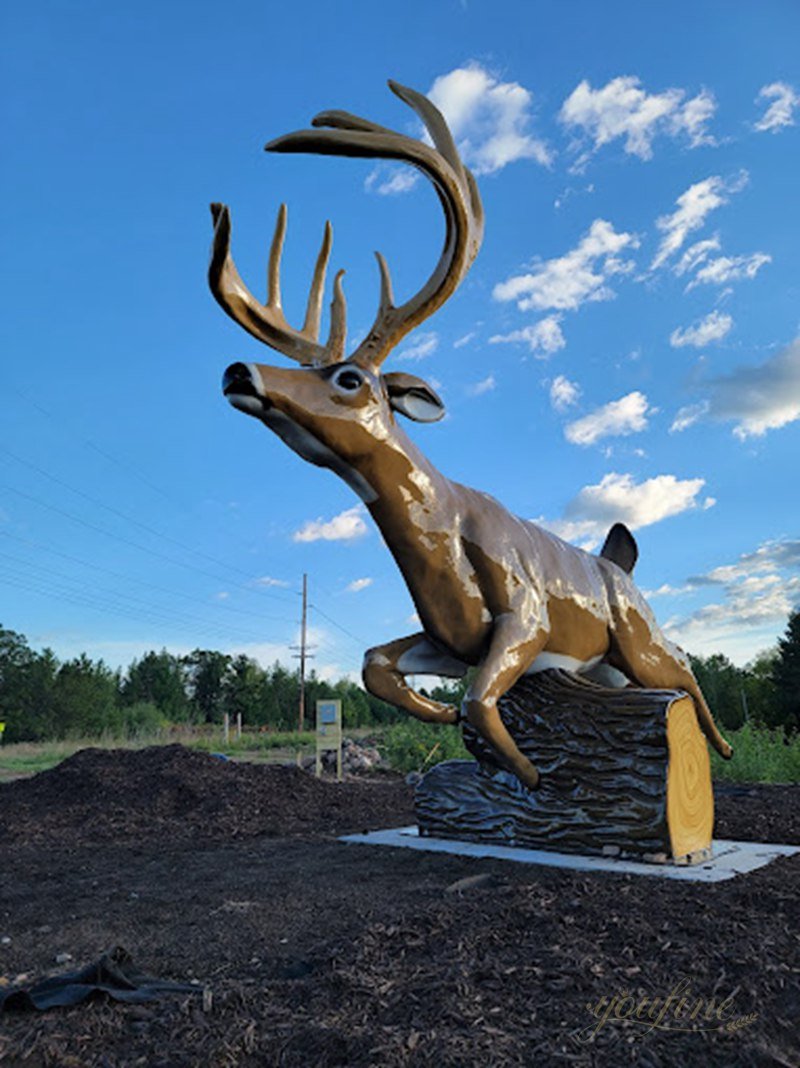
(544, 661)
(593, 669)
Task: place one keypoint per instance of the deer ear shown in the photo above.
(412, 397)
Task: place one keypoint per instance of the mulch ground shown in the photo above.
(313, 952)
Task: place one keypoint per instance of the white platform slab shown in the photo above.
(730, 858)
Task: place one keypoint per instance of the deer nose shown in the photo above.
(238, 379)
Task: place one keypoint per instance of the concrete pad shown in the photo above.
(730, 858)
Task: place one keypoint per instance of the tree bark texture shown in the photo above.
(624, 772)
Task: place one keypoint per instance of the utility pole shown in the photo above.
(303, 656)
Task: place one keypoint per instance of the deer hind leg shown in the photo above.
(511, 652)
(386, 667)
(662, 665)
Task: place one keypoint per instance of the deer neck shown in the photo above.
(409, 493)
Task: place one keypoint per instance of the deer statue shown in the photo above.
(492, 591)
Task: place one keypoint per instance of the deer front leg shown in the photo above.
(386, 666)
(514, 646)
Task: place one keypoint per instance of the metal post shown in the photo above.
(303, 656)
(226, 728)
(302, 710)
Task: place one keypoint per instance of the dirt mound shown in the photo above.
(102, 794)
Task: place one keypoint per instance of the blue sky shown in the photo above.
(625, 346)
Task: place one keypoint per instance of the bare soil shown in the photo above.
(314, 952)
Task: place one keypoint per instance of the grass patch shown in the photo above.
(251, 742)
(27, 758)
(415, 746)
(759, 755)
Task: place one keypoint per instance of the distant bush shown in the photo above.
(415, 746)
(134, 722)
(759, 755)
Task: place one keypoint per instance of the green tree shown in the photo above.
(759, 688)
(26, 684)
(281, 697)
(207, 671)
(84, 698)
(786, 676)
(158, 679)
(243, 691)
(722, 685)
(355, 706)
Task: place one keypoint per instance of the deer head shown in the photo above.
(334, 408)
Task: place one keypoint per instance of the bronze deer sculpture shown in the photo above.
(492, 591)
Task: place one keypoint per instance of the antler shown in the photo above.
(267, 321)
(349, 135)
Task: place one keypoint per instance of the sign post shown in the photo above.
(329, 733)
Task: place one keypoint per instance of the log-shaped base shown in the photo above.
(624, 772)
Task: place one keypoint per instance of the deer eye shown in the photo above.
(348, 379)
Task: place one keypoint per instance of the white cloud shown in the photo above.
(343, 527)
(713, 328)
(388, 180)
(619, 499)
(267, 653)
(693, 208)
(688, 416)
(542, 338)
(761, 397)
(780, 113)
(724, 269)
(696, 254)
(267, 580)
(758, 592)
(486, 385)
(459, 343)
(423, 345)
(693, 118)
(489, 119)
(623, 109)
(490, 123)
(563, 393)
(769, 557)
(357, 585)
(618, 418)
(665, 590)
(223, 595)
(581, 275)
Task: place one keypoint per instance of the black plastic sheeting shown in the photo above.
(115, 974)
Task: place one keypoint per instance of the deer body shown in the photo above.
(492, 591)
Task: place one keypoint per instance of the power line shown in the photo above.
(152, 552)
(102, 598)
(142, 582)
(130, 519)
(89, 444)
(131, 468)
(302, 656)
(362, 642)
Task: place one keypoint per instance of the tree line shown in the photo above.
(44, 699)
(765, 692)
